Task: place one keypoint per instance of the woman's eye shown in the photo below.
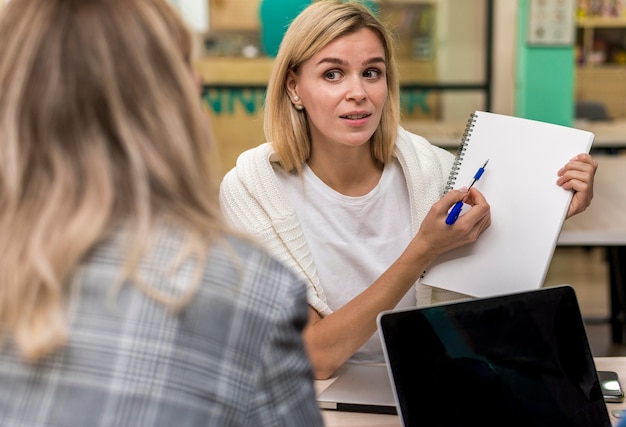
(332, 75)
(372, 73)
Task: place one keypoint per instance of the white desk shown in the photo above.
(353, 419)
(610, 134)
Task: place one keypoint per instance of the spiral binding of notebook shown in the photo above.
(460, 153)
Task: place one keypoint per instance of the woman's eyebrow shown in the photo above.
(338, 61)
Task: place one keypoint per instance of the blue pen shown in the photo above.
(456, 209)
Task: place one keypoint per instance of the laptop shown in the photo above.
(519, 359)
(360, 388)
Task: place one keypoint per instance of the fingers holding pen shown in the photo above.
(474, 219)
(477, 217)
(474, 203)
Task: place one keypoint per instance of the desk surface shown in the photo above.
(604, 222)
(609, 134)
(353, 419)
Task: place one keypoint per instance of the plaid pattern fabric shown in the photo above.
(234, 356)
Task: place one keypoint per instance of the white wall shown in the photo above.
(194, 12)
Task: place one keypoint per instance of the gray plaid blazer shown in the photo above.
(234, 356)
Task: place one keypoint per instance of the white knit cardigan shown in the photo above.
(253, 199)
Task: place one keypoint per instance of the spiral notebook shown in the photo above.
(527, 206)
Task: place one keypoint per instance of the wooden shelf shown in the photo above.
(601, 22)
(607, 84)
(597, 79)
(234, 15)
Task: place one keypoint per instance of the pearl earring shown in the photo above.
(298, 107)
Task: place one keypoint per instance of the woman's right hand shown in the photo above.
(440, 237)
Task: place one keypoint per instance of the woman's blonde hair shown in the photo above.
(101, 126)
(318, 25)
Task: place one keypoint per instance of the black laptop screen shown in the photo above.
(513, 360)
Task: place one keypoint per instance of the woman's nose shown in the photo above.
(356, 90)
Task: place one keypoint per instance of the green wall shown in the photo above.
(544, 78)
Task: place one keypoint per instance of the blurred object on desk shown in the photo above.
(591, 110)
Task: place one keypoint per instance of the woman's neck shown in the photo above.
(352, 173)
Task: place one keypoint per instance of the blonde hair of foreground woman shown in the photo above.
(86, 146)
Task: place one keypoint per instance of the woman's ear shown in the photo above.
(291, 84)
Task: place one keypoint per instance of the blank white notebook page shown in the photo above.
(527, 206)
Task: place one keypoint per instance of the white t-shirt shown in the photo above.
(353, 240)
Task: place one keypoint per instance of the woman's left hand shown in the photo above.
(577, 175)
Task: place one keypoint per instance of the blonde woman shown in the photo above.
(341, 193)
(124, 299)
